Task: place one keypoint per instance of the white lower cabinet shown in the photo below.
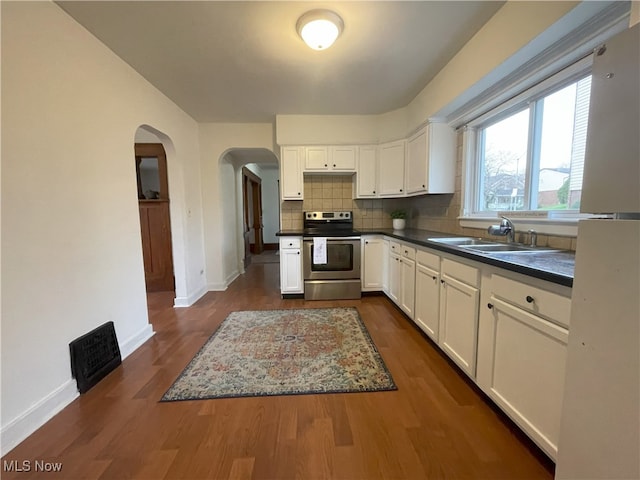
(522, 356)
(427, 300)
(395, 279)
(291, 265)
(514, 346)
(459, 301)
(373, 254)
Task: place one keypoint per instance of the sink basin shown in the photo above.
(509, 248)
(487, 246)
(502, 247)
(462, 241)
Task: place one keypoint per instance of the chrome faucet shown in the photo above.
(533, 238)
(506, 228)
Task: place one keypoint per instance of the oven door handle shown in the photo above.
(310, 239)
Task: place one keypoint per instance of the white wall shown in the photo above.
(219, 193)
(71, 234)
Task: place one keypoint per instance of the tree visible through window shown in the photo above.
(533, 158)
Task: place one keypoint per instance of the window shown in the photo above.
(529, 154)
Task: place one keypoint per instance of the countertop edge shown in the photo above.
(556, 278)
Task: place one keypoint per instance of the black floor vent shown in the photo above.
(94, 355)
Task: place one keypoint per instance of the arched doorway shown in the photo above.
(155, 221)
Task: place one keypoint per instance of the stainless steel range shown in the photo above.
(331, 256)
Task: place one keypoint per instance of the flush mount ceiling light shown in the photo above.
(320, 28)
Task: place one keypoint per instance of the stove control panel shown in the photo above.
(328, 216)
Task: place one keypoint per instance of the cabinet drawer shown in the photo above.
(408, 252)
(532, 299)
(290, 242)
(428, 260)
(464, 273)
(395, 247)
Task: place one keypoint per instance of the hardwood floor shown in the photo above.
(437, 425)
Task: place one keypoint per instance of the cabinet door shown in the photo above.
(372, 264)
(459, 322)
(385, 266)
(417, 149)
(611, 166)
(367, 174)
(391, 169)
(291, 271)
(408, 286)
(427, 300)
(316, 159)
(291, 173)
(342, 158)
(441, 158)
(527, 364)
(395, 278)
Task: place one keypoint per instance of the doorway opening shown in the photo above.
(155, 221)
(252, 215)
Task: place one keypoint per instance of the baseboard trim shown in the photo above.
(191, 299)
(37, 415)
(134, 342)
(222, 286)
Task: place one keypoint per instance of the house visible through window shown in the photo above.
(531, 156)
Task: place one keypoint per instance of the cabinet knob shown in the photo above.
(325, 164)
(441, 281)
(298, 253)
(400, 189)
(374, 191)
(435, 278)
(530, 299)
(489, 306)
(334, 165)
(291, 244)
(298, 193)
(366, 242)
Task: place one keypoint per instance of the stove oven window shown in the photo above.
(339, 259)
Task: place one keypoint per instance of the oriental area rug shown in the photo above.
(284, 352)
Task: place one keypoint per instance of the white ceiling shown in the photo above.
(243, 61)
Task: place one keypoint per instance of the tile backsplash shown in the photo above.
(427, 212)
(335, 192)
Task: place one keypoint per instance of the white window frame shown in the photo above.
(556, 222)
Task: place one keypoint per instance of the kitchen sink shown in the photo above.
(503, 247)
(487, 246)
(462, 241)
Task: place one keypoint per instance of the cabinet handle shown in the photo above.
(374, 191)
(434, 278)
(334, 165)
(489, 306)
(400, 189)
(441, 281)
(530, 299)
(298, 193)
(325, 164)
(298, 253)
(366, 242)
(422, 186)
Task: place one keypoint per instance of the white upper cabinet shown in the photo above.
(366, 178)
(342, 158)
(391, 169)
(326, 159)
(431, 160)
(291, 173)
(612, 166)
(316, 158)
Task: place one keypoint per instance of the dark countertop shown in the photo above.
(553, 266)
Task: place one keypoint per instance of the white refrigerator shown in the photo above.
(600, 422)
